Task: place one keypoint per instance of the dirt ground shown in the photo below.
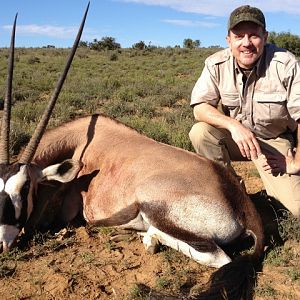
(104, 263)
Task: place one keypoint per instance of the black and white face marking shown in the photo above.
(14, 189)
(18, 185)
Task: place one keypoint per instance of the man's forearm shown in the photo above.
(206, 113)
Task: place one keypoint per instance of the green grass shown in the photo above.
(162, 282)
(289, 230)
(289, 227)
(280, 256)
(148, 90)
(284, 262)
(266, 291)
(293, 273)
(139, 292)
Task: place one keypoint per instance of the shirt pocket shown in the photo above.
(270, 108)
(230, 103)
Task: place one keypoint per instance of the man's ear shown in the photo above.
(62, 172)
(266, 34)
(228, 39)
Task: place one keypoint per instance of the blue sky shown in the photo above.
(159, 22)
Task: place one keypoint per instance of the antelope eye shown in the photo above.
(1, 185)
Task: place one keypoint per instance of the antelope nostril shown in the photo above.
(8, 236)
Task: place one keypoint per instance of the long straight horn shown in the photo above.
(40, 129)
(5, 126)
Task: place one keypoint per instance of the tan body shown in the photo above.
(138, 183)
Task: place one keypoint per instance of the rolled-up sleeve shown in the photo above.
(293, 103)
(206, 89)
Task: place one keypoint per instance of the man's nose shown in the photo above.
(246, 40)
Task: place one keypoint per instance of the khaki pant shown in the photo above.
(217, 144)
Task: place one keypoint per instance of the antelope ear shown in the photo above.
(62, 172)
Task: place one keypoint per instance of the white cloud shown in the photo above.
(221, 7)
(189, 23)
(45, 30)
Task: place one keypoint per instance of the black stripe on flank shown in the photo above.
(158, 217)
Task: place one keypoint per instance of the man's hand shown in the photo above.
(281, 164)
(245, 139)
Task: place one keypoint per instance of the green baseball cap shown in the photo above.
(246, 13)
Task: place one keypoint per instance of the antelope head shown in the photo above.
(18, 181)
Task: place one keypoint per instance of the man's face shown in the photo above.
(246, 41)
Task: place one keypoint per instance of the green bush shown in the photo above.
(286, 40)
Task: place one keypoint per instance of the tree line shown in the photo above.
(284, 40)
(109, 43)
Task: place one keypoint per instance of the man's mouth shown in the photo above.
(248, 52)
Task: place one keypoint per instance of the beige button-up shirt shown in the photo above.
(267, 101)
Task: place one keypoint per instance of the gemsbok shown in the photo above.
(118, 177)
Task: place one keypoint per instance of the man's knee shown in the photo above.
(296, 212)
(287, 193)
(200, 135)
(293, 205)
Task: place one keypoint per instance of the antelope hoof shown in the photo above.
(151, 243)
